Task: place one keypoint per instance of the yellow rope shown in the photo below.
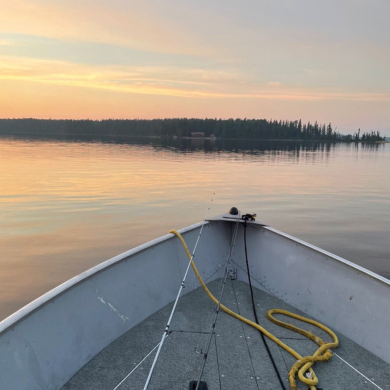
(303, 364)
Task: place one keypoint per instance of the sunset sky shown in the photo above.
(281, 59)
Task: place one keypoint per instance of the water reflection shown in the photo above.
(188, 146)
(67, 204)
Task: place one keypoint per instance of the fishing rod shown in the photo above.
(211, 334)
(182, 286)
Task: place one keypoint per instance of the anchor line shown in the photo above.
(232, 244)
(303, 364)
(166, 331)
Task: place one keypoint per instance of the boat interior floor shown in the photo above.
(237, 357)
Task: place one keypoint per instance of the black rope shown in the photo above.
(255, 313)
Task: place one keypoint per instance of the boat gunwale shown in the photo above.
(31, 307)
(330, 255)
(56, 291)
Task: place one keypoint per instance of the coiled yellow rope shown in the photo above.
(303, 364)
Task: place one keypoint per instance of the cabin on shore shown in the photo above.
(197, 134)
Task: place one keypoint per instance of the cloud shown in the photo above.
(333, 51)
(5, 42)
(137, 26)
(167, 81)
(82, 52)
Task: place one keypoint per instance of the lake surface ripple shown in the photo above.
(69, 204)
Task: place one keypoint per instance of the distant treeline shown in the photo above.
(366, 137)
(183, 127)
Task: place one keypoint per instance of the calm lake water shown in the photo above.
(67, 205)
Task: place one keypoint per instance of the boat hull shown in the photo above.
(44, 344)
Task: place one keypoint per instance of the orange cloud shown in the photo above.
(167, 81)
(139, 26)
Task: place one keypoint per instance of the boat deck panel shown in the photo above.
(237, 357)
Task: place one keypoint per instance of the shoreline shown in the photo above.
(187, 138)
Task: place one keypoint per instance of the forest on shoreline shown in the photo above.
(183, 127)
